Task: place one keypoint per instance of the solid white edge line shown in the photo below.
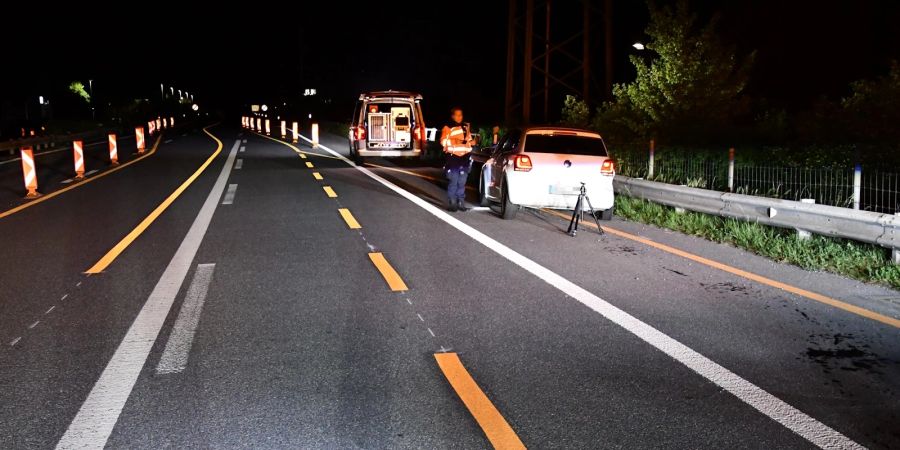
(175, 357)
(99, 413)
(791, 418)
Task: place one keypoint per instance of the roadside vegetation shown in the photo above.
(860, 261)
(690, 95)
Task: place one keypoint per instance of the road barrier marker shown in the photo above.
(29, 173)
(390, 275)
(495, 427)
(283, 129)
(329, 191)
(139, 139)
(296, 132)
(315, 135)
(120, 247)
(175, 356)
(771, 406)
(113, 150)
(309, 164)
(78, 154)
(172, 122)
(99, 413)
(348, 217)
(268, 128)
(317, 176)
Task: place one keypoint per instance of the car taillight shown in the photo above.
(608, 168)
(522, 163)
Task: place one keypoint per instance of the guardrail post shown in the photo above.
(857, 185)
(652, 156)
(731, 169)
(895, 252)
(803, 234)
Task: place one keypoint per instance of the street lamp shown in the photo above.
(638, 46)
(265, 108)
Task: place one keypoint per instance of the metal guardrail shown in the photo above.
(864, 226)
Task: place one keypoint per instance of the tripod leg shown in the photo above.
(573, 223)
(594, 214)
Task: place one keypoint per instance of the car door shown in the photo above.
(508, 148)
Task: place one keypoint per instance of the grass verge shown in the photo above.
(863, 262)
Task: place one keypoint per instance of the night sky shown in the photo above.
(452, 52)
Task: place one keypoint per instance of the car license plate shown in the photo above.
(564, 190)
(388, 145)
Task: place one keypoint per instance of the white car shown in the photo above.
(544, 168)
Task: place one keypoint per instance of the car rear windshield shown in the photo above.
(564, 143)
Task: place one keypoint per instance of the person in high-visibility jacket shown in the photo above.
(456, 138)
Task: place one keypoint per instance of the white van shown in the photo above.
(387, 123)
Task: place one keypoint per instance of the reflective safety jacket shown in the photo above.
(456, 139)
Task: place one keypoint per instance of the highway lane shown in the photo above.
(300, 342)
(50, 366)
(325, 355)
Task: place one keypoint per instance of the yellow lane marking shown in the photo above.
(74, 185)
(748, 275)
(294, 147)
(114, 253)
(302, 156)
(390, 275)
(309, 164)
(495, 427)
(348, 217)
(717, 265)
(408, 172)
(317, 176)
(329, 191)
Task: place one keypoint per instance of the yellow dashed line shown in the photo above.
(309, 164)
(853, 309)
(317, 176)
(390, 275)
(348, 217)
(495, 427)
(329, 191)
(302, 156)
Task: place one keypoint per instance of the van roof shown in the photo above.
(390, 93)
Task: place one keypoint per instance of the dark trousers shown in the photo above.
(456, 188)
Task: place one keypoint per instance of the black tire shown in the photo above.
(507, 209)
(607, 214)
(482, 194)
(358, 160)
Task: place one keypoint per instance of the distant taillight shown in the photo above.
(419, 133)
(608, 168)
(522, 163)
(359, 133)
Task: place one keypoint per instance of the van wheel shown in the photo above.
(482, 194)
(358, 160)
(507, 209)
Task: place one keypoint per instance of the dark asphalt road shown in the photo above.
(299, 342)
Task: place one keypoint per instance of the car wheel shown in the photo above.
(507, 209)
(482, 195)
(607, 214)
(358, 160)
